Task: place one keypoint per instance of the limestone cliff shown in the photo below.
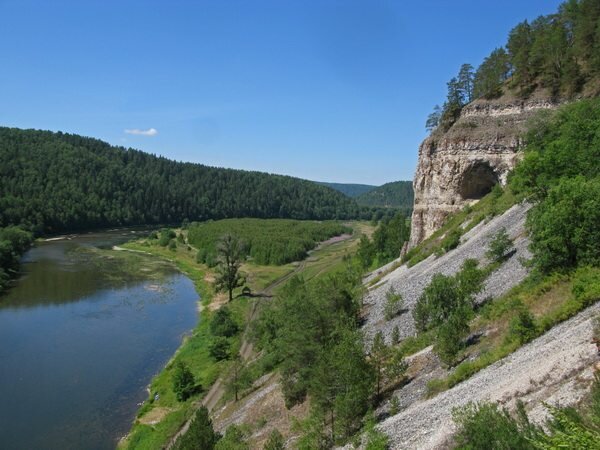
(460, 166)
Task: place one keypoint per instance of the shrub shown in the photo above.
(222, 324)
(172, 245)
(499, 246)
(184, 383)
(450, 335)
(376, 440)
(522, 327)
(275, 441)
(451, 241)
(164, 239)
(234, 439)
(200, 434)
(394, 406)
(445, 294)
(220, 348)
(485, 426)
(393, 304)
(395, 335)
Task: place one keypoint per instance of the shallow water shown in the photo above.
(82, 332)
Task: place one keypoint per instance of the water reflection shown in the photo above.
(81, 334)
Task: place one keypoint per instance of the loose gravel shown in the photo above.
(410, 281)
(554, 367)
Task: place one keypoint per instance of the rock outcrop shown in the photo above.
(460, 166)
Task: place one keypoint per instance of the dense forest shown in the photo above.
(397, 194)
(276, 241)
(558, 52)
(55, 182)
(349, 189)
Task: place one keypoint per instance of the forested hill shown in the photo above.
(397, 194)
(555, 56)
(349, 189)
(55, 182)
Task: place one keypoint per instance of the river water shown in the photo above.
(82, 332)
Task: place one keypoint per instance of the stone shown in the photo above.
(460, 166)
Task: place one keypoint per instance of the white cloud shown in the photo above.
(137, 131)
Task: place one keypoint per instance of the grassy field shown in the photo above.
(158, 420)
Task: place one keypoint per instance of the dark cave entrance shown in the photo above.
(477, 181)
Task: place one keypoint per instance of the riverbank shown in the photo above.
(158, 420)
(161, 415)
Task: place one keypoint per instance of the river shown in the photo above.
(82, 332)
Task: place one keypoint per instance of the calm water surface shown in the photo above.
(81, 335)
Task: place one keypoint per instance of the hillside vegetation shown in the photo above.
(54, 182)
(266, 242)
(559, 180)
(397, 194)
(350, 189)
(558, 54)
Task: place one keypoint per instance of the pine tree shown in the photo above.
(229, 276)
(466, 77)
(491, 75)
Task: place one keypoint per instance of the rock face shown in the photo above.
(460, 166)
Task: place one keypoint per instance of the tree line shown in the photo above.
(397, 194)
(56, 182)
(559, 52)
(386, 243)
(267, 242)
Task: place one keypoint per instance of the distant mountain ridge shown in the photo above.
(397, 194)
(350, 189)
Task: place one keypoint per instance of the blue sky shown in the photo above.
(325, 90)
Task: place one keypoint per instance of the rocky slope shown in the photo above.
(462, 165)
(410, 281)
(555, 368)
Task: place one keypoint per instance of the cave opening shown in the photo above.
(477, 181)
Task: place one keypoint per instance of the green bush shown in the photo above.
(450, 334)
(200, 434)
(446, 294)
(393, 304)
(172, 245)
(564, 226)
(184, 383)
(222, 323)
(275, 441)
(395, 335)
(451, 241)
(522, 327)
(499, 246)
(485, 426)
(234, 439)
(220, 348)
